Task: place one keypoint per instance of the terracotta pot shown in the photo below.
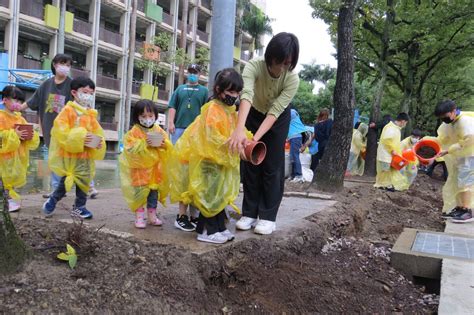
(28, 128)
(254, 152)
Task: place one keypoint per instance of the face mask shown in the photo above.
(15, 106)
(447, 120)
(229, 100)
(192, 78)
(414, 140)
(62, 69)
(146, 122)
(85, 99)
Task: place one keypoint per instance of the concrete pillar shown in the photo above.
(92, 53)
(53, 47)
(12, 33)
(222, 43)
(193, 18)
(150, 35)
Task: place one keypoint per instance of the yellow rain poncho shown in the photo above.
(359, 142)
(390, 140)
(411, 170)
(67, 154)
(144, 168)
(458, 139)
(14, 153)
(203, 171)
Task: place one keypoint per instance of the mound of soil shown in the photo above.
(340, 267)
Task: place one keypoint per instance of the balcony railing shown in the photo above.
(163, 95)
(110, 37)
(27, 63)
(79, 73)
(167, 19)
(206, 4)
(108, 82)
(141, 5)
(203, 36)
(82, 27)
(136, 88)
(138, 47)
(109, 125)
(4, 3)
(32, 8)
(189, 26)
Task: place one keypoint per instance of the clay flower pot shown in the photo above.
(28, 128)
(254, 152)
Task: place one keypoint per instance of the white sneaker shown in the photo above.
(216, 238)
(13, 206)
(297, 179)
(245, 223)
(265, 227)
(228, 234)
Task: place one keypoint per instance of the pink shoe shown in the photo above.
(140, 222)
(152, 218)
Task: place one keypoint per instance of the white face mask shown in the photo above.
(414, 140)
(85, 99)
(63, 70)
(146, 122)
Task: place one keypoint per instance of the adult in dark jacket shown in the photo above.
(322, 131)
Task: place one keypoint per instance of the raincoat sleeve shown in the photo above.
(69, 137)
(98, 154)
(9, 141)
(465, 133)
(136, 151)
(358, 141)
(391, 141)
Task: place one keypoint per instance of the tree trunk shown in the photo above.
(371, 155)
(182, 45)
(13, 251)
(329, 175)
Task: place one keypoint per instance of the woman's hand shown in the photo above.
(237, 140)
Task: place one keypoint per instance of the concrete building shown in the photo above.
(97, 35)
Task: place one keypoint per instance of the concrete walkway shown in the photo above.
(112, 214)
(457, 278)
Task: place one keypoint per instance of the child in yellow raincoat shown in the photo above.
(358, 145)
(387, 177)
(143, 164)
(456, 133)
(204, 172)
(77, 140)
(411, 170)
(14, 148)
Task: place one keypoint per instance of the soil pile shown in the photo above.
(342, 266)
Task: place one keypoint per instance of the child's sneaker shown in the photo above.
(454, 212)
(49, 206)
(182, 223)
(152, 218)
(83, 213)
(194, 221)
(216, 238)
(13, 206)
(140, 222)
(93, 193)
(228, 234)
(463, 216)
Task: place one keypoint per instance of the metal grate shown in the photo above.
(445, 245)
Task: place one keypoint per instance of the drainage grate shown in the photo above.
(445, 245)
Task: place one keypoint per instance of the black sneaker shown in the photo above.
(454, 212)
(194, 221)
(182, 223)
(464, 216)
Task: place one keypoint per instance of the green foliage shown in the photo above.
(305, 102)
(70, 256)
(314, 72)
(202, 57)
(256, 23)
(162, 40)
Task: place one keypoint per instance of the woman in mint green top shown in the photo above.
(269, 86)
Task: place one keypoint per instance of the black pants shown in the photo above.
(264, 183)
(60, 192)
(211, 225)
(432, 167)
(316, 158)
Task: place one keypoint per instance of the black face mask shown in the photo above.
(229, 100)
(447, 120)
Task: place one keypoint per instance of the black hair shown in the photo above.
(140, 107)
(444, 107)
(403, 116)
(280, 47)
(11, 91)
(60, 58)
(227, 79)
(416, 132)
(81, 82)
(357, 124)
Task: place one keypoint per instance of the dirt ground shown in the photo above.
(343, 266)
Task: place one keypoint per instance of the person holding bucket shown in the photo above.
(411, 170)
(203, 171)
(389, 156)
(456, 133)
(269, 86)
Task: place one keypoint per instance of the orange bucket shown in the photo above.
(398, 162)
(409, 154)
(430, 144)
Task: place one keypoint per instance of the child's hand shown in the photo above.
(99, 146)
(148, 141)
(88, 139)
(22, 134)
